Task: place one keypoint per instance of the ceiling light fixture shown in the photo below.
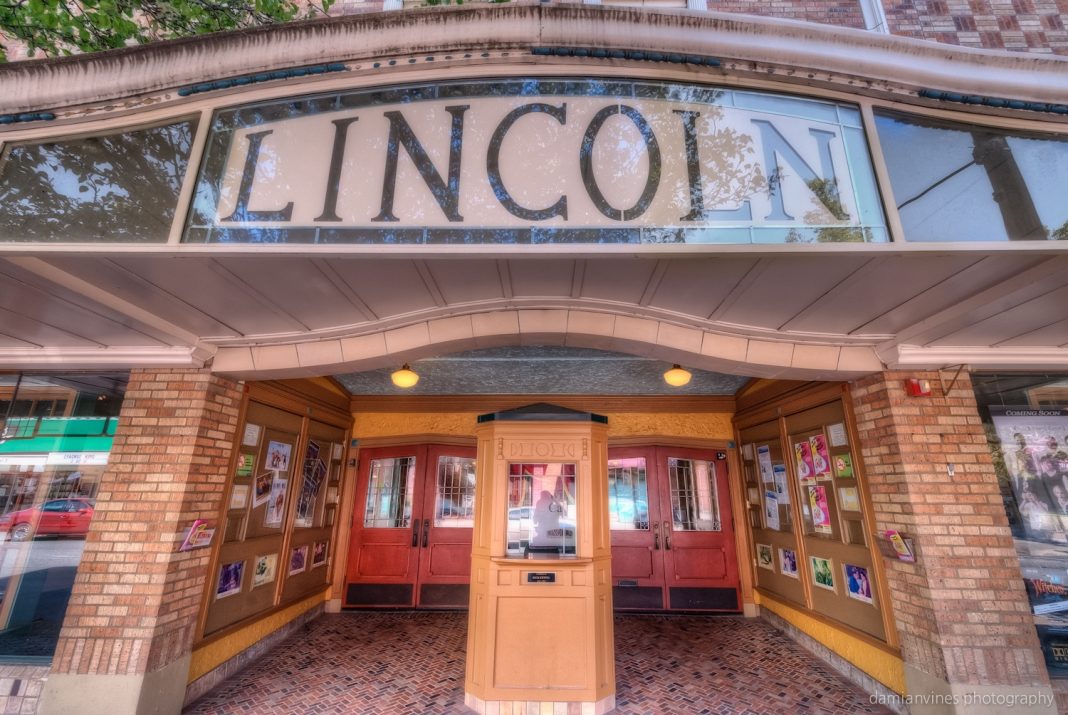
(405, 377)
(677, 377)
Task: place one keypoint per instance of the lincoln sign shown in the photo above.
(538, 161)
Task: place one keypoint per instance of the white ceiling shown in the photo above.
(116, 307)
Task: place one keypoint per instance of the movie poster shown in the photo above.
(1034, 449)
(803, 454)
(821, 458)
(1034, 486)
(821, 514)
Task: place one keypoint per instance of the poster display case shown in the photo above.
(808, 511)
(279, 515)
(770, 512)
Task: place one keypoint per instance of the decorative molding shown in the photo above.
(496, 403)
(112, 358)
(1008, 358)
(851, 58)
(996, 102)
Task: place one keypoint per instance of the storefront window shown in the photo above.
(55, 438)
(119, 187)
(1026, 419)
(954, 182)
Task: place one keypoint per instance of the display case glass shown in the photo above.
(542, 510)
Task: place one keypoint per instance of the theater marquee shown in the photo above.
(540, 161)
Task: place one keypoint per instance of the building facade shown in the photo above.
(846, 219)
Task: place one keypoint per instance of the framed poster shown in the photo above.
(858, 586)
(230, 578)
(319, 553)
(822, 573)
(821, 458)
(805, 469)
(239, 496)
(278, 456)
(251, 436)
(264, 569)
(262, 488)
(847, 497)
(764, 460)
(788, 563)
(820, 510)
(245, 464)
(765, 557)
(771, 510)
(276, 502)
(298, 560)
(843, 465)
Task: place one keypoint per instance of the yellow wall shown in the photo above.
(214, 654)
(697, 425)
(885, 667)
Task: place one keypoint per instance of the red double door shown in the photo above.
(411, 531)
(673, 545)
(669, 510)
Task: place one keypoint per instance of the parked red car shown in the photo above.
(56, 517)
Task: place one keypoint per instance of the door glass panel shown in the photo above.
(389, 493)
(694, 502)
(542, 511)
(628, 495)
(455, 501)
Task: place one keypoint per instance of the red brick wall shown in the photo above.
(962, 612)
(136, 600)
(1020, 25)
(846, 13)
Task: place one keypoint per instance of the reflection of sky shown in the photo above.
(963, 207)
(65, 182)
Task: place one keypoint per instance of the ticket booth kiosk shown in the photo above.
(540, 620)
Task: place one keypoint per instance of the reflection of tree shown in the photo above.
(728, 173)
(121, 187)
(828, 205)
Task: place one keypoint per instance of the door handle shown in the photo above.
(667, 536)
(426, 531)
(415, 535)
(656, 536)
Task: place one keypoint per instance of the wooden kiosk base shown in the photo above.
(540, 630)
(540, 707)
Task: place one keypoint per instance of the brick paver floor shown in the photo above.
(400, 663)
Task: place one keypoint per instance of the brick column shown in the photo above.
(962, 612)
(126, 639)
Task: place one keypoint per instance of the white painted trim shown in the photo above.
(189, 181)
(605, 308)
(600, 250)
(1024, 358)
(874, 16)
(899, 62)
(622, 333)
(102, 358)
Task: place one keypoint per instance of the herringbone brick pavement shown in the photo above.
(401, 663)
